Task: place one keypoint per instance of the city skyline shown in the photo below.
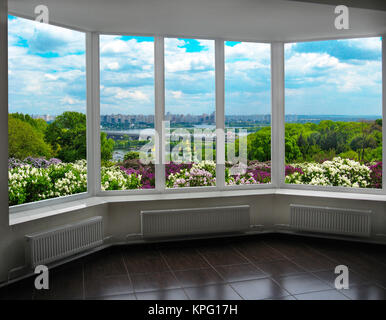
(210, 118)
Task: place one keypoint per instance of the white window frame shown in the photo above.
(89, 132)
(381, 191)
(277, 123)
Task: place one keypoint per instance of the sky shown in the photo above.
(46, 68)
(341, 77)
(327, 77)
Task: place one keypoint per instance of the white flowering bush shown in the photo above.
(335, 172)
(113, 178)
(68, 178)
(200, 174)
(27, 183)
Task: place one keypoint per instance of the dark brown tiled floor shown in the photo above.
(281, 267)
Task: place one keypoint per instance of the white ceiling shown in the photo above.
(255, 20)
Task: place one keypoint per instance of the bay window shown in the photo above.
(331, 127)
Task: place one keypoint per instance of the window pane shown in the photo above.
(47, 111)
(190, 113)
(333, 131)
(247, 113)
(127, 112)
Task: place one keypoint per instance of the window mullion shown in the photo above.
(93, 113)
(278, 120)
(159, 91)
(383, 112)
(220, 113)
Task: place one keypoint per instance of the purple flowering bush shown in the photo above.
(39, 163)
(376, 175)
(199, 174)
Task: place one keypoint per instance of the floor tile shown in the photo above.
(184, 259)
(104, 286)
(174, 294)
(314, 263)
(222, 256)
(329, 276)
(282, 298)
(259, 267)
(65, 283)
(258, 252)
(365, 292)
(20, 290)
(214, 292)
(258, 289)
(280, 268)
(292, 248)
(198, 277)
(138, 263)
(301, 283)
(240, 272)
(109, 263)
(154, 281)
(130, 296)
(322, 295)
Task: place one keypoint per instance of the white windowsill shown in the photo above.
(39, 213)
(48, 211)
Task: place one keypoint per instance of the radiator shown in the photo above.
(351, 222)
(55, 244)
(174, 222)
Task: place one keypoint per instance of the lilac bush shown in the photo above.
(34, 179)
(39, 163)
(199, 174)
(376, 175)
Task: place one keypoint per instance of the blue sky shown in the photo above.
(341, 77)
(47, 74)
(46, 69)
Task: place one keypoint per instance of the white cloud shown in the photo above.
(134, 94)
(249, 50)
(178, 59)
(113, 65)
(323, 70)
(373, 44)
(176, 94)
(68, 100)
(50, 76)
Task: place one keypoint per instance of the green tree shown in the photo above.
(363, 141)
(24, 140)
(107, 147)
(292, 150)
(259, 145)
(67, 136)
